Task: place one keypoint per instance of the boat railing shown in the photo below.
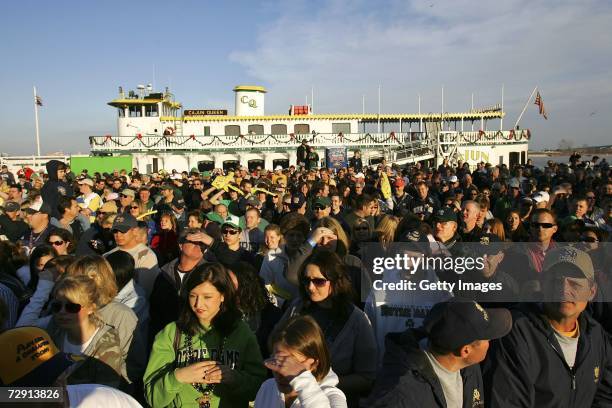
(398, 140)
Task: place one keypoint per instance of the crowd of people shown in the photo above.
(228, 288)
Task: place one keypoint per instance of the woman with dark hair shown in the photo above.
(63, 241)
(326, 294)
(38, 258)
(302, 369)
(165, 241)
(255, 303)
(514, 228)
(129, 292)
(209, 357)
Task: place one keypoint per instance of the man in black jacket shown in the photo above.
(437, 364)
(555, 355)
(56, 186)
(165, 297)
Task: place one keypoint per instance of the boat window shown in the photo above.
(121, 112)
(301, 129)
(341, 128)
(206, 130)
(151, 110)
(135, 111)
(279, 129)
(256, 129)
(232, 130)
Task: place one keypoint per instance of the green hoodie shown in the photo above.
(240, 352)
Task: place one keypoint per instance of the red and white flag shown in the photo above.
(538, 101)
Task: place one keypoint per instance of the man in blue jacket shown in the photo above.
(437, 364)
(556, 355)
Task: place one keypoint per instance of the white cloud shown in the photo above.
(345, 49)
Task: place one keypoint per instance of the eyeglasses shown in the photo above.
(57, 243)
(545, 225)
(318, 282)
(69, 307)
(229, 231)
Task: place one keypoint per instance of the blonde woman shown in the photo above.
(385, 230)
(77, 329)
(118, 315)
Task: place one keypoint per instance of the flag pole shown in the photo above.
(36, 122)
(525, 107)
(420, 117)
(472, 111)
(378, 108)
(501, 120)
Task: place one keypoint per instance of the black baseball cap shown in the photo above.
(124, 223)
(458, 322)
(178, 202)
(297, 201)
(445, 214)
(11, 206)
(39, 207)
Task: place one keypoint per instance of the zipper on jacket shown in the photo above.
(571, 370)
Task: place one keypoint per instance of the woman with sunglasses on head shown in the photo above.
(62, 241)
(209, 357)
(327, 296)
(77, 329)
(138, 209)
(302, 371)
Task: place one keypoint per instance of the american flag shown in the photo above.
(538, 101)
(38, 100)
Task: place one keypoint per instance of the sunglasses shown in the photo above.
(135, 207)
(124, 196)
(546, 225)
(56, 243)
(319, 208)
(318, 282)
(589, 239)
(229, 231)
(287, 203)
(69, 307)
(364, 228)
(590, 198)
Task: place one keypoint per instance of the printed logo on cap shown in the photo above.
(485, 315)
(568, 254)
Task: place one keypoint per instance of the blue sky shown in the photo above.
(78, 53)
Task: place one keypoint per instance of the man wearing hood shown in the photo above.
(437, 365)
(55, 186)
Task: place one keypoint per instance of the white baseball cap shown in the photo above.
(540, 197)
